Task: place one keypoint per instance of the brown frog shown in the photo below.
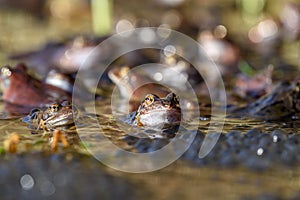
(282, 102)
(58, 117)
(156, 112)
(253, 87)
(20, 88)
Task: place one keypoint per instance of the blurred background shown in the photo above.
(266, 28)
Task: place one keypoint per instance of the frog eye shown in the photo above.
(149, 99)
(54, 107)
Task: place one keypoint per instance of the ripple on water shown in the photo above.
(240, 140)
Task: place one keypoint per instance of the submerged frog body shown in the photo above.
(156, 112)
(283, 101)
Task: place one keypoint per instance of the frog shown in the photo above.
(58, 115)
(156, 112)
(20, 88)
(283, 102)
(57, 118)
(253, 87)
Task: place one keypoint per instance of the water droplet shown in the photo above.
(147, 35)
(220, 31)
(169, 50)
(260, 151)
(27, 182)
(158, 76)
(164, 30)
(275, 138)
(123, 26)
(47, 188)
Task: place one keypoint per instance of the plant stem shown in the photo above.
(102, 16)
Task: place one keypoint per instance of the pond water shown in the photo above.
(183, 179)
